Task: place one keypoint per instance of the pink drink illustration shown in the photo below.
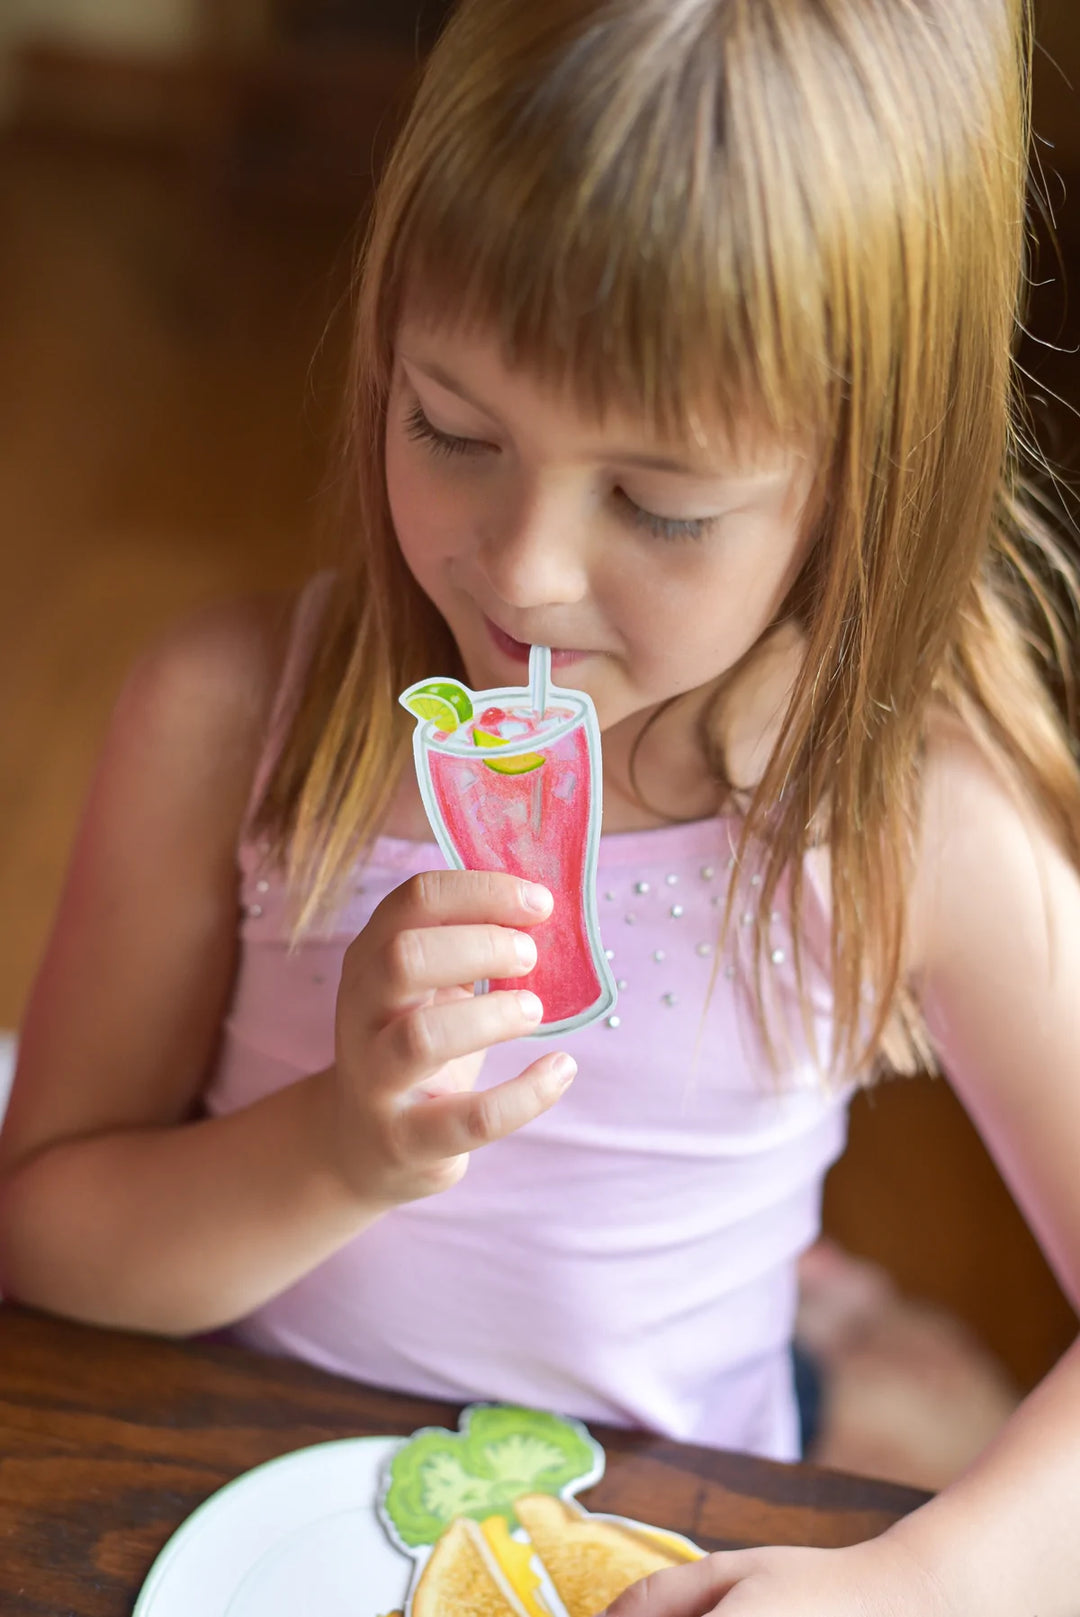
(511, 781)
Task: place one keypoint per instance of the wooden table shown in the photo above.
(109, 1441)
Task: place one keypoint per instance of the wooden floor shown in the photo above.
(169, 361)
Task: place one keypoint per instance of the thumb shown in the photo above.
(684, 1591)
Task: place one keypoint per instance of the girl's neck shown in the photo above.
(669, 781)
(670, 771)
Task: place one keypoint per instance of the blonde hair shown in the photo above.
(805, 216)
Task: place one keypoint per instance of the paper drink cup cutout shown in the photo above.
(489, 1517)
(511, 780)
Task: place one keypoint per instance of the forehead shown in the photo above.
(471, 362)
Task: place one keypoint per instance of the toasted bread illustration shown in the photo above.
(589, 1560)
(477, 1570)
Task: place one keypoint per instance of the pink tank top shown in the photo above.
(630, 1256)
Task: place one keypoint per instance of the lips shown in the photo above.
(518, 650)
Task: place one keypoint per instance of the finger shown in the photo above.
(446, 996)
(451, 1125)
(682, 1591)
(461, 897)
(422, 1040)
(422, 959)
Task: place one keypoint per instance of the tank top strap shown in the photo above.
(306, 616)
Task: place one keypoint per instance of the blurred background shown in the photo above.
(181, 183)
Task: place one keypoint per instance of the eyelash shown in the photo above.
(419, 428)
(668, 529)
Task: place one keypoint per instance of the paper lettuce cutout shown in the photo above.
(501, 1453)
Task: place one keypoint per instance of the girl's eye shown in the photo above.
(669, 528)
(418, 427)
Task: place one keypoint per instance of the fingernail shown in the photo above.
(563, 1071)
(525, 949)
(536, 897)
(531, 1008)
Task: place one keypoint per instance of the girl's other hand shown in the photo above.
(411, 1035)
(875, 1579)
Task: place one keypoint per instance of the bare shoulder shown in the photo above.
(202, 693)
(996, 931)
(987, 861)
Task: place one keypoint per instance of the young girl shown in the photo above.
(683, 347)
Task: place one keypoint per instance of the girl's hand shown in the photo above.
(875, 1579)
(411, 1035)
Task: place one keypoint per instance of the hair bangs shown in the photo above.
(550, 221)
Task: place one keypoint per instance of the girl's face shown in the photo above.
(650, 568)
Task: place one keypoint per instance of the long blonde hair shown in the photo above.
(801, 215)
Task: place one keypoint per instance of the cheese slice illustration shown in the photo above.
(477, 1570)
(588, 1559)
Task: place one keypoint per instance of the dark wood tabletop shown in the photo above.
(109, 1441)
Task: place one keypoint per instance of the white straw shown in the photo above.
(539, 678)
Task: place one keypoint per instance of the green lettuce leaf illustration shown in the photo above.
(501, 1453)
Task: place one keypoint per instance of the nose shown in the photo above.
(535, 553)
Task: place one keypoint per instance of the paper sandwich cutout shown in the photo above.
(489, 1518)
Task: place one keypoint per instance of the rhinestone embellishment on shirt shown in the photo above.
(643, 888)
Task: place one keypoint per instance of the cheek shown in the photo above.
(417, 509)
(403, 488)
(684, 598)
(691, 620)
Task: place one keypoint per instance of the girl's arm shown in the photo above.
(996, 950)
(997, 940)
(118, 1204)
(114, 1207)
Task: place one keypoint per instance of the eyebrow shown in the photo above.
(655, 463)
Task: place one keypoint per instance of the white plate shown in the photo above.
(297, 1537)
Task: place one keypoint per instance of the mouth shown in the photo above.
(518, 650)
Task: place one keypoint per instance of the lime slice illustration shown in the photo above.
(522, 764)
(442, 701)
